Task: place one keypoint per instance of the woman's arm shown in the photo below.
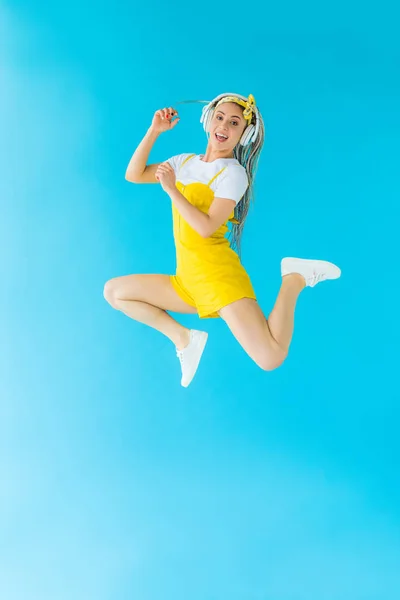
(205, 224)
(138, 171)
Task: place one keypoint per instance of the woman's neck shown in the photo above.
(210, 155)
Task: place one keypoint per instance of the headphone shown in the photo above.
(250, 133)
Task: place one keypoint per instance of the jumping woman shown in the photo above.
(208, 191)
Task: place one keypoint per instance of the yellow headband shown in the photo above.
(249, 105)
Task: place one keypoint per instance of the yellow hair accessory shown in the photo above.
(249, 105)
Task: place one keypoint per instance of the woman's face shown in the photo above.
(227, 126)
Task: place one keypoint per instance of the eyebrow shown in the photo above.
(221, 111)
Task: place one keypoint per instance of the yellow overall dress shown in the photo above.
(209, 274)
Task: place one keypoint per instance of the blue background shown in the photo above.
(116, 482)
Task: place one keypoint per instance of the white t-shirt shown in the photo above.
(231, 183)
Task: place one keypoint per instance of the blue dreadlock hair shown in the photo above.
(248, 157)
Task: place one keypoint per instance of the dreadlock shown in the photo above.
(248, 156)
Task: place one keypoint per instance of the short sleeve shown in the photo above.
(176, 161)
(232, 183)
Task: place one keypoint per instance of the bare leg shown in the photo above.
(281, 319)
(266, 342)
(146, 298)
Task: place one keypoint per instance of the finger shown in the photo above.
(160, 113)
(171, 113)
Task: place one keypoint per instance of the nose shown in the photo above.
(224, 124)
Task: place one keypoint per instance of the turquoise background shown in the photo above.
(116, 482)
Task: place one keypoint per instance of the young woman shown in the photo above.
(207, 191)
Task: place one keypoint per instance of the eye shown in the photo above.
(218, 117)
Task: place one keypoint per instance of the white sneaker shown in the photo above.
(313, 271)
(190, 355)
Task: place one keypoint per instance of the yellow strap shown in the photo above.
(215, 176)
(186, 159)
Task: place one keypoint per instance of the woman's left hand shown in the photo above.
(166, 176)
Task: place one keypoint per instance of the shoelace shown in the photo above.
(316, 277)
(179, 354)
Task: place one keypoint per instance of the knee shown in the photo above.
(110, 292)
(270, 362)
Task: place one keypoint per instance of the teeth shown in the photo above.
(222, 135)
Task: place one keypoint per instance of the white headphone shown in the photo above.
(251, 131)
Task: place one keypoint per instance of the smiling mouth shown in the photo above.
(220, 138)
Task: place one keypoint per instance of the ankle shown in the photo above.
(295, 279)
(183, 339)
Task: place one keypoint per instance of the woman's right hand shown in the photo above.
(162, 120)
